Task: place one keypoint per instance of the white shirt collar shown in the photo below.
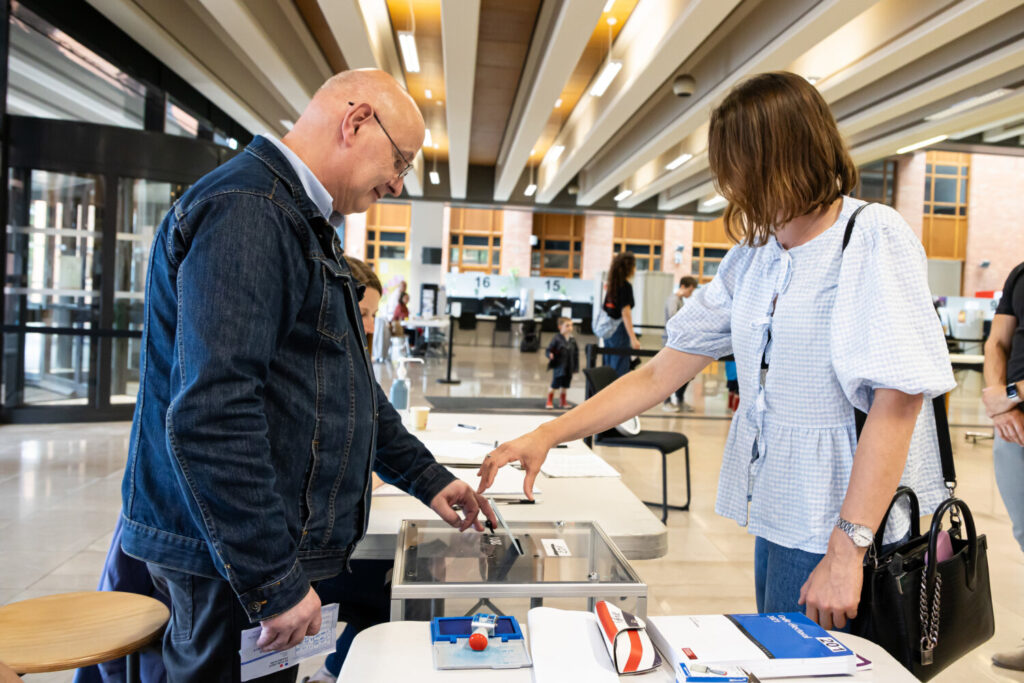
(315, 190)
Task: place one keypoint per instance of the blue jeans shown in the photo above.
(618, 340)
(1008, 459)
(779, 574)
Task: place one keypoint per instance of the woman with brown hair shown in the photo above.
(618, 304)
(818, 328)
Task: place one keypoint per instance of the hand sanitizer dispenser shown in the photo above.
(400, 387)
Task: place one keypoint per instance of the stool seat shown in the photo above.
(72, 630)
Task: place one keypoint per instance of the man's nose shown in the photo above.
(395, 186)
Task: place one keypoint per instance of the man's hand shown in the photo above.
(832, 592)
(996, 401)
(530, 449)
(1010, 426)
(460, 493)
(289, 628)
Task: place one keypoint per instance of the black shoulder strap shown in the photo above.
(938, 403)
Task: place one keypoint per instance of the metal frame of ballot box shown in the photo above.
(412, 535)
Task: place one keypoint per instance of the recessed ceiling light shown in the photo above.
(611, 70)
(435, 178)
(558, 103)
(436, 146)
(713, 204)
(440, 102)
(923, 143)
(812, 79)
(678, 161)
(427, 140)
(407, 42)
(608, 6)
(554, 153)
(429, 95)
(530, 189)
(622, 195)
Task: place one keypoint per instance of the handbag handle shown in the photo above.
(952, 504)
(915, 518)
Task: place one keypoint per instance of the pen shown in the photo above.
(524, 501)
(473, 427)
(562, 445)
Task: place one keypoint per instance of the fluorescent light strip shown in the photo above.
(713, 204)
(608, 6)
(611, 70)
(969, 103)
(407, 41)
(554, 153)
(530, 189)
(622, 195)
(923, 143)
(428, 141)
(435, 178)
(558, 103)
(678, 161)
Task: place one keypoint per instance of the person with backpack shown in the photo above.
(825, 305)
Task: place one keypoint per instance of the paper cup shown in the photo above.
(419, 417)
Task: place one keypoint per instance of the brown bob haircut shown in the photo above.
(776, 154)
(363, 274)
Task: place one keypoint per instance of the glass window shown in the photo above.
(940, 210)
(710, 268)
(455, 240)
(947, 170)
(928, 189)
(370, 251)
(656, 265)
(576, 261)
(963, 191)
(715, 253)
(475, 241)
(392, 236)
(476, 256)
(695, 267)
(495, 257)
(372, 235)
(555, 245)
(535, 261)
(639, 249)
(657, 250)
(387, 251)
(54, 369)
(496, 241)
(455, 256)
(962, 210)
(559, 261)
(53, 249)
(52, 76)
(945, 190)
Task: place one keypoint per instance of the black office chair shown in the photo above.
(502, 323)
(467, 320)
(665, 442)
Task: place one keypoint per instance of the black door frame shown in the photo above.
(113, 153)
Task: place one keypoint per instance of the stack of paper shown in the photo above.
(567, 646)
(452, 452)
(508, 482)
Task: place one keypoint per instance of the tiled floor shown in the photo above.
(60, 493)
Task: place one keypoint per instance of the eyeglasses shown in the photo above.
(402, 165)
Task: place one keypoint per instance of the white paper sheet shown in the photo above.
(576, 463)
(256, 663)
(566, 646)
(452, 452)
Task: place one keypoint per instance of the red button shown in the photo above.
(478, 641)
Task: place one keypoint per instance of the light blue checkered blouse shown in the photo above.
(845, 323)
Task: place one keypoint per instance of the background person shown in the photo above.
(563, 360)
(618, 304)
(673, 304)
(1004, 387)
(839, 329)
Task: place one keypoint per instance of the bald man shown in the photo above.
(258, 419)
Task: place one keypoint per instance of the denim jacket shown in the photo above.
(258, 418)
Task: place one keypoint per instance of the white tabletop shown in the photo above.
(413, 323)
(630, 524)
(401, 651)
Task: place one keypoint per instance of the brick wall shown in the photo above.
(517, 227)
(355, 235)
(598, 233)
(678, 232)
(910, 189)
(995, 221)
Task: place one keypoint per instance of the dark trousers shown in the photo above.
(364, 600)
(618, 340)
(204, 634)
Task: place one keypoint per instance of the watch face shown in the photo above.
(862, 536)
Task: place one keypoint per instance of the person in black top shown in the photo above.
(563, 360)
(618, 304)
(1004, 388)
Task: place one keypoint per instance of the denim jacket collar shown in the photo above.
(310, 183)
(267, 152)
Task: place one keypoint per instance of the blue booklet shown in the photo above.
(724, 647)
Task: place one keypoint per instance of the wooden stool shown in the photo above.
(72, 630)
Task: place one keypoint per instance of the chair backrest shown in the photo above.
(597, 378)
(467, 320)
(503, 323)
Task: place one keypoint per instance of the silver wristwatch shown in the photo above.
(861, 535)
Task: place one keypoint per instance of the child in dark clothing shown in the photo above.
(563, 359)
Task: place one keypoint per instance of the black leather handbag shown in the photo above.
(928, 614)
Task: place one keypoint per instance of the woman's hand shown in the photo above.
(530, 449)
(634, 342)
(832, 592)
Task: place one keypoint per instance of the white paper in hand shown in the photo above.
(256, 663)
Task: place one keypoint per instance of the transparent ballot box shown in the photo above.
(441, 572)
